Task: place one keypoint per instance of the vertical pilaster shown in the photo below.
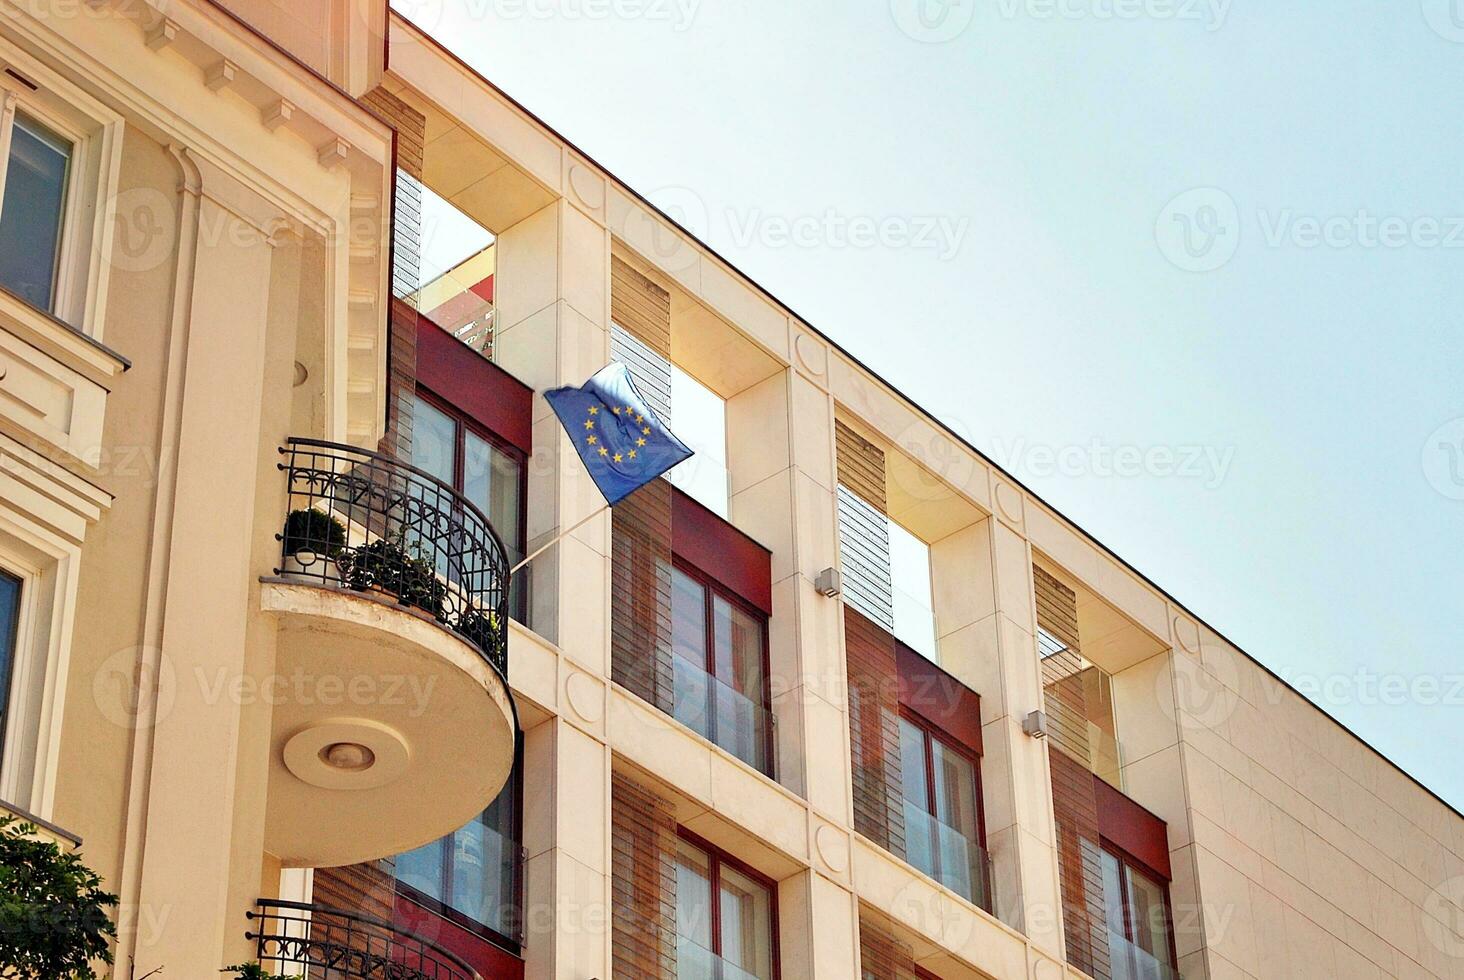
(984, 615)
(553, 329)
(195, 829)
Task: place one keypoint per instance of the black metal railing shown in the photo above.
(362, 521)
(333, 944)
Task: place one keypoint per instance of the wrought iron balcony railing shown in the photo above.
(362, 521)
(295, 938)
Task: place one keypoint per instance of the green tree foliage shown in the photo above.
(54, 920)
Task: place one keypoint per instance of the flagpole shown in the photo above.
(557, 538)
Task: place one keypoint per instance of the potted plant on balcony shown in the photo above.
(385, 565)
(479, 627)
(251, 971)
(312, 540)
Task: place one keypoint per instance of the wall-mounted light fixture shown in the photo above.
(828, 583)
(1035, 724)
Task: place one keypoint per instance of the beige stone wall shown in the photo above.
(1313, 855)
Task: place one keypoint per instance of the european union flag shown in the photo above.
(622, 443)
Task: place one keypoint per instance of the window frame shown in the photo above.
(462, 424)
(511, 944)
(711, 590)
(90, 205)
(716, 857)
(1126, 863)
(934, 733)
(30, 742)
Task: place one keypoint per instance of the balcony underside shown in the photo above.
(435, 720)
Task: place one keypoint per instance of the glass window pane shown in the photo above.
(473, 870)
(738, 662)
(691, 696)
(955, 790)
(491, 481)
(693, 894)
(1113, 893)
(912, 765)
(31, 211)
(9, 612)
(1147, 915)
(422, 869)
(434, 440)
(747, 926)
(688, 618)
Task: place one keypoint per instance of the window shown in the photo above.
(10, 587)
(725, 918)
(943, 825)
(32, 210)
(719, 660)
(486, 472)
(1140, 937)
(471, 876)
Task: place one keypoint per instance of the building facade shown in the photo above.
(281, 288)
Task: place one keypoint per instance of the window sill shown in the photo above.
(59, 339)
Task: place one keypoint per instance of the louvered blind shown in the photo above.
(874, 732)
(640, 562)
(1074, 801)
(864, 530)
(881, 955)
(643, 882)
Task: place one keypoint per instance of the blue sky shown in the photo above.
(1193, 271)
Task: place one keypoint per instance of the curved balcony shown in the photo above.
(392, 722)
(298, 939)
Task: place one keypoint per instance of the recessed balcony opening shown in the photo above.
(1101, 692)
(892, 513)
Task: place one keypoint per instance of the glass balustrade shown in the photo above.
(1131, 962)
(721, 714)
(947, 855)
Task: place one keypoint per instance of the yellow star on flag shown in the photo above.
(617, 458)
